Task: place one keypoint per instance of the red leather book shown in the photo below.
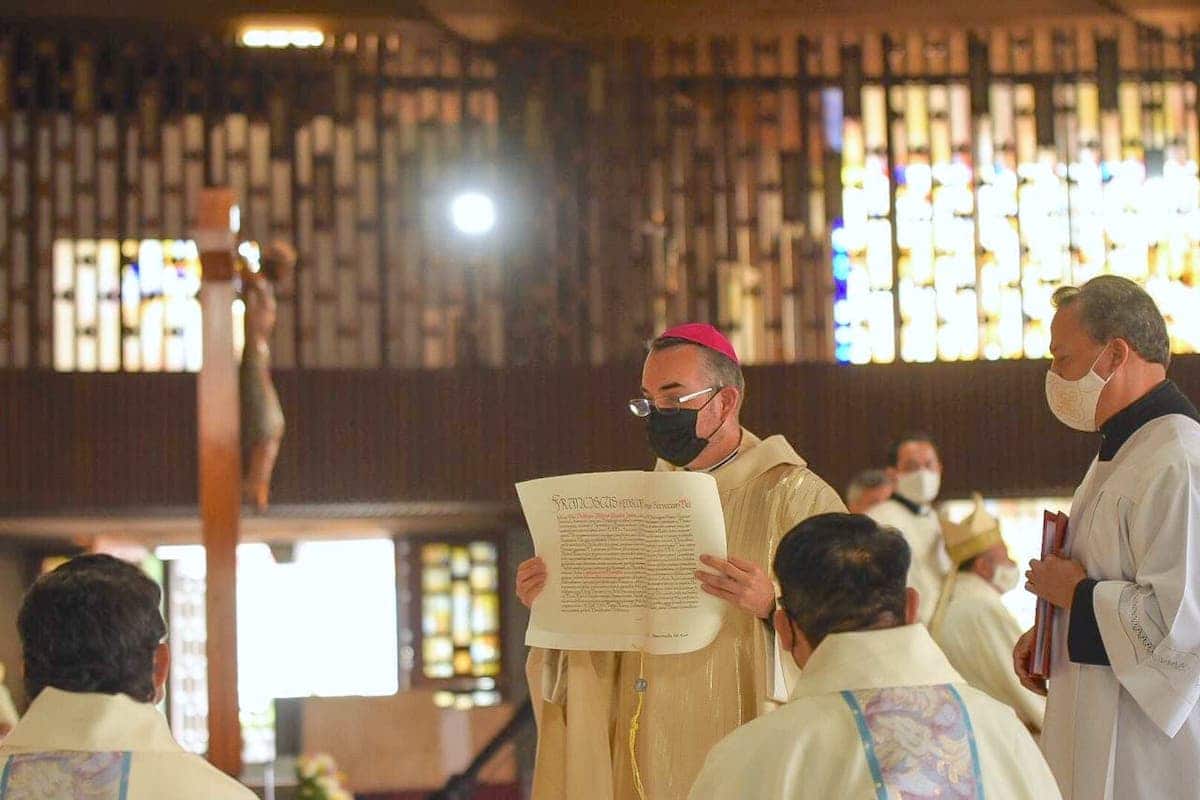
(1054, 534)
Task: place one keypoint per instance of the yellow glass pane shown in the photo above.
(435, 579)
(439, 670)
(483, 552)
(461, 614)
(462, 662)
(437, 649)
(435, 615)
(485, 613)
(435, 554)
(485, 649)
(460, 562)
(484, 578)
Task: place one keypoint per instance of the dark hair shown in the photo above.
(1112, 307)
(92, 625)
(721, 369)
(840, 573)
(893, 453)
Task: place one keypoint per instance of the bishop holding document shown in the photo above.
(586, 701)
(1121, 716)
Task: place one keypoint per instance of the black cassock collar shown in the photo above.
(1164, 399)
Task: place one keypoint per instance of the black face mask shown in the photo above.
(673, 437)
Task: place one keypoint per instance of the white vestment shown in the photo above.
(1131, 730)
(978, 634)
(104, 747)
(930, 562)
(879, 714)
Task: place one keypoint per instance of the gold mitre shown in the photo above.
(974, 535)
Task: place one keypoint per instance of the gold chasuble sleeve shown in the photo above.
(584, 701)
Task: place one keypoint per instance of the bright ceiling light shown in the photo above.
(282, 37)
(473, 213)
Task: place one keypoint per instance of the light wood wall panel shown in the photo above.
(78, 442)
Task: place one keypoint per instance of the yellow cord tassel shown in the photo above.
(639, 687)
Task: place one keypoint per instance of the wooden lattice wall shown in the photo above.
(638, 184)
(344, 152)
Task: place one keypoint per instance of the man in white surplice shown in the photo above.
(1121, 716)
(877, 710)
(95, 665)
(915, 469)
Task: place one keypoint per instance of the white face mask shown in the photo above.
(921, 486)
(1006, 577)
(1075, 402)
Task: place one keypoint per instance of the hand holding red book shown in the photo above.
(1054, 534)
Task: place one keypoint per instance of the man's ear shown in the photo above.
(783, 627)
(912, 606)
(731, 397)
(162, 670)
(1120, 352)
(791, 639)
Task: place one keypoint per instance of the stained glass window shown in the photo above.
(997, 208)
(87, 305)
(864, 319)
(128, 305)
(460, 619)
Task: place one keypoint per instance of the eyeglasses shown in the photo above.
(642, 406)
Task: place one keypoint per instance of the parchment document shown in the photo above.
(621, 550)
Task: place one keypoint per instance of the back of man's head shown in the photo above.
(840, 573)
(1112, 307)
(92, 625)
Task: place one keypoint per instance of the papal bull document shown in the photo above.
(621, 552)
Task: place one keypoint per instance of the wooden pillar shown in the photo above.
(220, 474)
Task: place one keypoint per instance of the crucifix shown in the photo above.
(220, 470)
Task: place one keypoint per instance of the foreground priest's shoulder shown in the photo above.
(1029, 763)
(978, 636)
(739, 765)
(1010, 761)
(791, 752)
(181, 776)
(1030, 768)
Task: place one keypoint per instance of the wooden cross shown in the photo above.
(220, 472)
